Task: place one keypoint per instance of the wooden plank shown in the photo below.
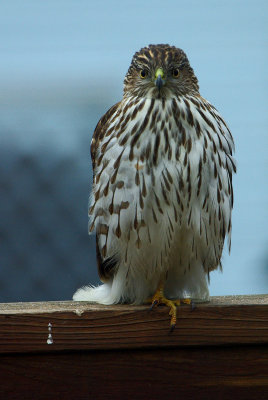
(191, 373)
(83, 326)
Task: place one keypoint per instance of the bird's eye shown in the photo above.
(175, 73)
(143, 73)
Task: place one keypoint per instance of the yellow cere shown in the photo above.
(160, 72)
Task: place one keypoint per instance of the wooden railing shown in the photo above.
(58, 350)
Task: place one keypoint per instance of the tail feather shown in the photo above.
(98, 294)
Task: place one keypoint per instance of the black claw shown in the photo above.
(172, 327)
(153, 304)
(193, 306)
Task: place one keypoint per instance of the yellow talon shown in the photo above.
(159, 298)
(186, 301)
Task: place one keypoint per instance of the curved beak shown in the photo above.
(159, 75)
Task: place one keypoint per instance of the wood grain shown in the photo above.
(219, 350)
(177, 373)
(231, 320)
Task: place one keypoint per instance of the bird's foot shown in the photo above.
(159, 298)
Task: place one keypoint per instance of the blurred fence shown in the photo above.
(45, 178)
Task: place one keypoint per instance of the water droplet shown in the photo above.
(50, 338)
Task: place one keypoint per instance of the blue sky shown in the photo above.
(86, 46)
(88, 39)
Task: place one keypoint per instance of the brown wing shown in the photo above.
(99, 133)
(105, 267)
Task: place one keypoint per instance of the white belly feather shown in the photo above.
(164, 216)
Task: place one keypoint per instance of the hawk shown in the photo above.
(162, 192)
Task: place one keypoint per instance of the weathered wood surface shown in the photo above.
(230, 320)
(219, 350)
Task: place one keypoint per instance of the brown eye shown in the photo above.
(143, 73)
(175, 73)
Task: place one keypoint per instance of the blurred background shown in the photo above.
(62, 66)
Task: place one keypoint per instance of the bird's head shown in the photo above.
(160, 71)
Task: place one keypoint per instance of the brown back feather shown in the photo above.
(106, 268)
(99, 133)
